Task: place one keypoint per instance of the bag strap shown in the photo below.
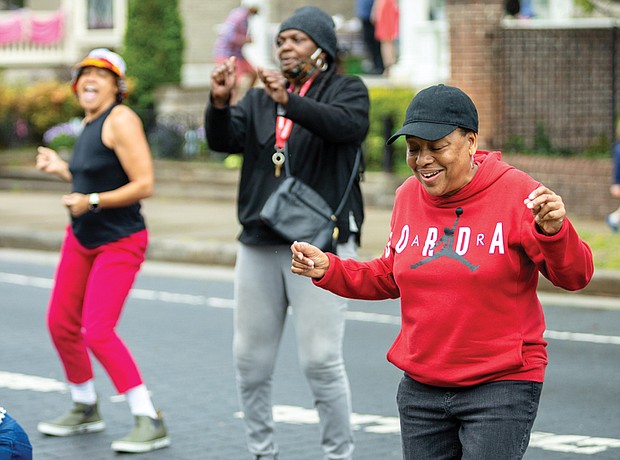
(345, 195)
(355, 172)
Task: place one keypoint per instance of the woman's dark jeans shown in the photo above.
(490, 421)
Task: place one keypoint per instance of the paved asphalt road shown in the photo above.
(178, 324)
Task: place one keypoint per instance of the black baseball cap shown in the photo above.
(437, 111)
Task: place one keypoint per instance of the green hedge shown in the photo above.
(153, 49)
(391, 103)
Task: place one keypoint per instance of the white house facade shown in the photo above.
(48, 34)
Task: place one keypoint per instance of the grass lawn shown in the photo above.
(605, 246)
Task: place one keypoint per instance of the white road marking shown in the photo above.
(295, 415)
(582, 337)
(379, 424)
(15, 381)
(23, 280)
(573, 444)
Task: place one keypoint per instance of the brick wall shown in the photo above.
(535, 87)
(473, 32)
(559, 82)
(583, 183)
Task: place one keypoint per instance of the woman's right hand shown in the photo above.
(308, 260)
(50, 162)
(223, 81)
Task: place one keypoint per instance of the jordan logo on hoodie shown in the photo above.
(447, 240)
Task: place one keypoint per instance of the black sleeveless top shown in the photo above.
(96, 168)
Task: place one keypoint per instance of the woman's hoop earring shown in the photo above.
(321, 64)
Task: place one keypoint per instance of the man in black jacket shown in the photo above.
(319, 119)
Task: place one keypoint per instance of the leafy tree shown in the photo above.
(153, 50)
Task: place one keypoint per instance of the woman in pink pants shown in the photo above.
(110, 171)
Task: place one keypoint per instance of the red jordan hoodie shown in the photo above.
(466, 270)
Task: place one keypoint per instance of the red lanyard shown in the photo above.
(284, 126)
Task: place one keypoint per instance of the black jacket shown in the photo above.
(327, 132)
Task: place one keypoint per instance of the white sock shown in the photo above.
(140, 402)
(83, 392)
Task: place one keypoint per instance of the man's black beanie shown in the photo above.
(315, 23)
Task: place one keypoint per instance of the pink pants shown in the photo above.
(90, 289)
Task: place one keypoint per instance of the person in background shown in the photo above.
(363, 10)
(613, 219)
(320, 119)
(521, 9)
(469, 236)
(233, 36)
(110, 171)
(14, 442)
(512, 7)
(385, 16)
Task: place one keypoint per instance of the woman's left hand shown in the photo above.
(548, 209)
(76, 203)
(275, 85)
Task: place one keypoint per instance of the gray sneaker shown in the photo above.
(148, 434)
(82, 418)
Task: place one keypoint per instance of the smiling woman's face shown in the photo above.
(96, 89)
(443, 166)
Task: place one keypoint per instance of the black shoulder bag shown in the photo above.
(295, 211)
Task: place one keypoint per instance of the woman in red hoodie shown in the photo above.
(469, 236)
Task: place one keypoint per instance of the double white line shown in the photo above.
(352, 315)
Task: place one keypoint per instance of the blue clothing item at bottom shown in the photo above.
(483, 422)
(264, 290)
(14, 442)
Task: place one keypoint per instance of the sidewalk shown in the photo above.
(192, 218)
(181, 229)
